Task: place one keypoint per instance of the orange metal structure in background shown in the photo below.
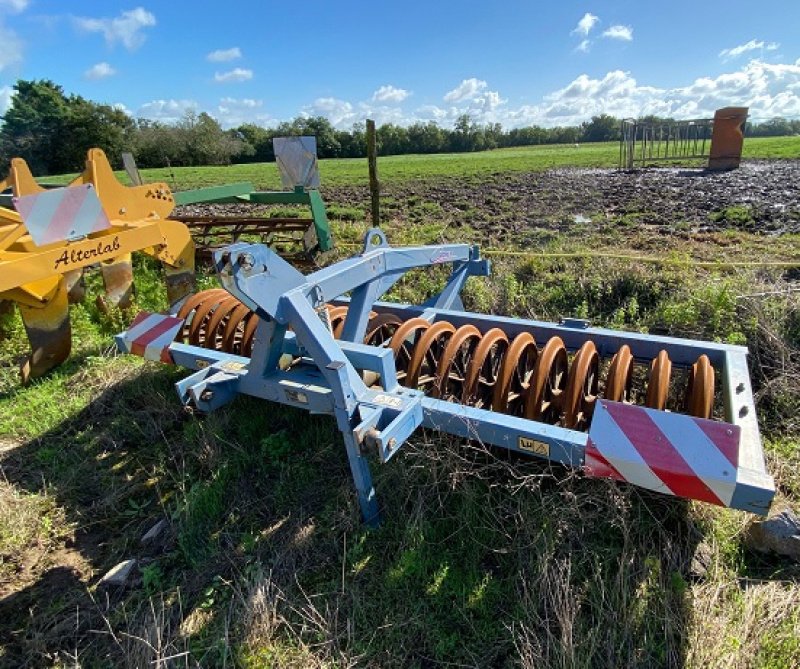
(719, 140)
(727, 138)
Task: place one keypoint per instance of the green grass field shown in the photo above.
(483, 560)
(449, 165)
(393, 169)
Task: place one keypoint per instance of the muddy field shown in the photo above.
(766, 193)
(760, 197)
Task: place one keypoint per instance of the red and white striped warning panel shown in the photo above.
(666, 452)
(62, 214)
(150, 336)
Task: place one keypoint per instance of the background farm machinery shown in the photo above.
(669, 415)
(54, 234)
(299, 239)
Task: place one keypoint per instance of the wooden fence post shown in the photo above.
(374, 184)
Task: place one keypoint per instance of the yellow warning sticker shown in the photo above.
(534, 446)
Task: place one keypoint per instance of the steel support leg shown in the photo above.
(49, 333)
(359, 468)
(118, 280)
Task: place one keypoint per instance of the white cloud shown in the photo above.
(233, 112)
(472, 96)
(624, 33)
(237, 74)
(584, 45)
(466, 90)
(224, 55)
(10, 48)
(389, 93)
(121, 107)
(15, 6)
(6, 93)
(127, 29)
(767, 89)
(339, 112)
(752, 45)
(586, 24)
(167, 111)
(99, 71)
(246, 103)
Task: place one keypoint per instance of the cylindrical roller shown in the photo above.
(580, 394)
(337, 315)
(248, 338)
(427, 356)
(462, 365)
(403, 343)
(198, 328)
(700, 388)
(544, 397)
(484, 370)
(451, 376)
(187, 311)
(658, 383)
(381, 329)
(515, 375)
(620, 376)
(198, 298)
(234, 330)
(217, 323)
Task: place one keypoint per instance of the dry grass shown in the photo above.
(738, 624)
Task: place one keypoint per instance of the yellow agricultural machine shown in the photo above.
(54, 234)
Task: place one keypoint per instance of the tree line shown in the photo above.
(52, 131)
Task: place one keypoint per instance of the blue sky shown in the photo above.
(515, 62)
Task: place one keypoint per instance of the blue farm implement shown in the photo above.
(670, 415)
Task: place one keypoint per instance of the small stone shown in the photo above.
(701, 560)
(155, 533)
(779, 534)
(120, 575)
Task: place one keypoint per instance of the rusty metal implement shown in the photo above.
(675, 416)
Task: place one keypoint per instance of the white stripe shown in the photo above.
(615, 447)
(142, 327)
(87, 215)
(702, 455)
(155, 347)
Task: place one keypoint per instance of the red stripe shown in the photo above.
(139, 318)
(724, 436)
(596, 465)
(64, 215)
(140, 343)
(659, 453)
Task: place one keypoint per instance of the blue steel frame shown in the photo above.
(328, 377)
